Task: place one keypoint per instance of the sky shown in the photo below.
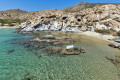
(38, 5)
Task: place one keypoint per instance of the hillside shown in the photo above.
(20, 14)
(82, 16)
(13, 14)
(81, 6)
(99, 17)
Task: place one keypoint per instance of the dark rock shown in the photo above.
(114, 45)
(119, 48)
(27, 78)
(73, 51)
(111, 59)
(70, 52)
(57, 43)
(39, 56)
(26, 45)
(82, 50)
(62, 51)
(53, 50)
(117, 40)
(77, 49)
(115, 60)
(10, 51)
(111, 39)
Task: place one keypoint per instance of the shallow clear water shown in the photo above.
(89, 66)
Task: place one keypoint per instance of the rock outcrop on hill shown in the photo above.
(98, 17)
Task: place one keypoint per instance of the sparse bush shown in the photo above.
(11, 21)
(118, 33)
(104, 31)
(2, 22)
(76, 23)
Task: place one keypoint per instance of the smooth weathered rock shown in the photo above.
(48, 37)
(69, 47)
(117, 40)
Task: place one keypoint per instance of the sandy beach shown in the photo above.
(99, 36)
(7, 27)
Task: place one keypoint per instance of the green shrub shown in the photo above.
(10, 21)
(118, 33)
(2, 22)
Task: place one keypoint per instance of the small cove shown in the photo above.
(89, 66)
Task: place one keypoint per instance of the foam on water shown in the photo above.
(89, 66)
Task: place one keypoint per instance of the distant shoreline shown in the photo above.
(7, 27)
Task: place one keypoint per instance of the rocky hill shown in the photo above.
(83, 16)
(99, 17)
(13, 14)
(81, 6)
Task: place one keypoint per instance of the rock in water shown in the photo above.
(117, 40)
(119, 48)
(10, 51)
(53, 50)
(82, 50)
(69, 47)
(114, 45)
(115, 60)
(48, 37)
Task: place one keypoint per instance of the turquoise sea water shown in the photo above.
(89, 66)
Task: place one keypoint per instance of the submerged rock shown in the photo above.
(73, 51)
(37, 55)
(53, 50)
(28, 77)
(10, 51)
(82, 50)
(70, 52)
(115, 60)
(63, 51)
(119, 48)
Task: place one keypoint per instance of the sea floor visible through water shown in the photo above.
(22, 63)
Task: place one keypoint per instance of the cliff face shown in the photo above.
(106, 16)
(100, 17)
